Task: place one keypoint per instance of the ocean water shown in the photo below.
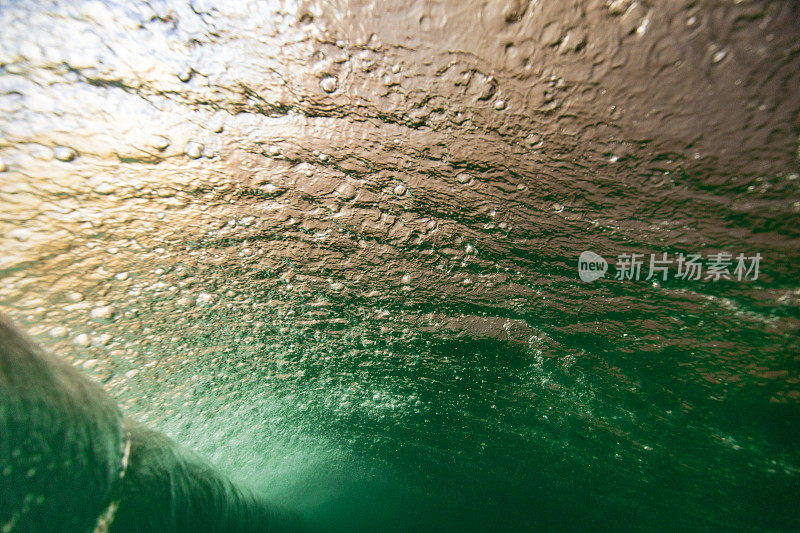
(334, 248)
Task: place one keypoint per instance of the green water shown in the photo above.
(333, 247)
(432, 435)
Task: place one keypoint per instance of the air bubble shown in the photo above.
(104, 312)
(160, 143)
(185, 302)
(642, 29)
(82, 340)
(75, 297)
(58, 332)
(20, 234)
(346, 191)
(535, 140)
(619, 7)
(204, 298)
(328, 84)
(193, 150)
(64, 153)
(104, 188)
(216, 124)
(101, 340)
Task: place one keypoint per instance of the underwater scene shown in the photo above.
(399, 265)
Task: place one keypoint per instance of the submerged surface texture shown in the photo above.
(332, 246)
